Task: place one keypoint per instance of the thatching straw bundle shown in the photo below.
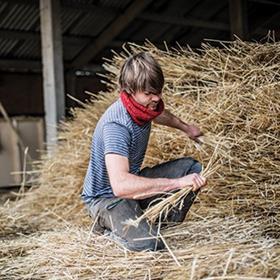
(232, 93)
(171, 200)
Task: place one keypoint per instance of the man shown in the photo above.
(115, 188)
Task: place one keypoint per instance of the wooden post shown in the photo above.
(52, 60)
(238, 18)
(70, 85)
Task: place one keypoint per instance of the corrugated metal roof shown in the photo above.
(28, 49)
(20, 17)
(70, 51)
(116, 4)
(6, 46)
(3, 5)
(90, 24)
(68, 18)
(82, 21)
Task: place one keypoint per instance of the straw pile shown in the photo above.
(232, 232)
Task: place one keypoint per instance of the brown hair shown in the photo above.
(141, 72)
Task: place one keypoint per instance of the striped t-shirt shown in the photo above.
(115, 133)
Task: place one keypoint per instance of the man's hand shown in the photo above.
(195, 180)
(193, 132)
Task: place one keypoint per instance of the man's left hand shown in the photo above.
(193, 132)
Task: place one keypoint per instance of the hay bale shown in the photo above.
(232, 93)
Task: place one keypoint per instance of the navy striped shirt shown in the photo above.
(115, 133)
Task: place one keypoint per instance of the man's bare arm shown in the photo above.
(127, 185)
(168, 119)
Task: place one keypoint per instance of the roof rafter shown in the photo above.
(185, 21)
(266, 2)
(110, 32)
(260, 29)
(238, 19)
(71, 5)
(30, 35)
(20, 64)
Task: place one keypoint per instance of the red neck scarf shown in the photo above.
(139, 113)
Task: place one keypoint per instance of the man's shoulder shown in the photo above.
(117, 113)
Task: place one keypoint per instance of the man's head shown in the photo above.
(142, 77)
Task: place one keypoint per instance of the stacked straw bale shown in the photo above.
(232, 232)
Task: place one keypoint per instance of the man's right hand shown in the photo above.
(195, 180)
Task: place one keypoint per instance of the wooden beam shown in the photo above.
(27, 2)
(238, 19)
(184, 21)
(107, 11)
(67, 39)
(119, 24)
(261, 30)
(266, 2)
(29, 35)
(53, 77)
(20, 64)
(170, 31)
(19, 35)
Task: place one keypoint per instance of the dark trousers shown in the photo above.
(112, 214)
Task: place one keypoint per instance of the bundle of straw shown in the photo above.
(175, 199)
